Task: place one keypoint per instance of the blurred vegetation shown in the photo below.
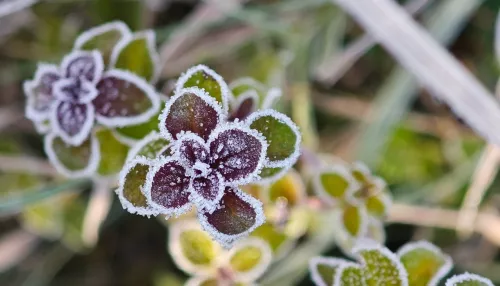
(372, 113)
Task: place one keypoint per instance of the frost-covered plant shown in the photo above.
(104, 83)
(360, 201)
(201, 156)
(197, 254)
(415, 264)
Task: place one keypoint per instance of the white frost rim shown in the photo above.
(99, 30)
(292, 158)
(341, 268)
(150, 37)
(210, 101)
(120, 121)
(466, 277)
(139, 145)
(227, 240)
(272, 96)
(442, 271)
(225, 92)
(91, 168)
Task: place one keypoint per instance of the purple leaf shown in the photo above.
(124, 99)
(73, 121)
(39, 92)
(191, 110)
(167, 187)
(237, 215)
(207, 191)
(243, 107)
(237, 153)
(75, 90)
(191, 149)
(83, 65)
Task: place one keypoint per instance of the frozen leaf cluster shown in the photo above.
(201, 156)
(104, 83)
(415, 264)
(360, 201)
(197, 254)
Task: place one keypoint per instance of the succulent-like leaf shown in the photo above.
(190, 110)
(138, 55)
(324, 270)
(272, 96)
(113, 153)
(282, 135)
(103, 38)
(376, 230)
(277, 240)
(249, 259)
(202, 77)
(238, 153)
(73, 161)
(131, 182)
(192, 249)
(39, 92)
(124, 99)
(202, 281)
(167, 187)
(381, 266)
(334, 184)
(289, 187)
(151, 146)
(237, 215)
(248, 86)
(242, 107)
(468, 279)
(424, 262)
(349, 274)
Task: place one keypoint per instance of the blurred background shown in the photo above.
(351, 99)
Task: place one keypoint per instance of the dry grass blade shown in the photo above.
(97, 210)
(435, 68)
(481, 180)
(14, 247)
(333, 69)
(26, 164)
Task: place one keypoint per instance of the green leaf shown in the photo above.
(192, 249)
(378, 205)
(276, 239)
(325, 269)
(247, 85)
(381, 266)
(282, 135)
(150, 147)
(138, 56)
(424, 262)
(113, 153)
(354, 219)
(203, 77)
(139, 131)
(249, 259)
(334, 184)
(290, 187)
(132, 180)
(103, 38)
(350, 274)
(269, 175)
(73, 161)
(468, 279)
